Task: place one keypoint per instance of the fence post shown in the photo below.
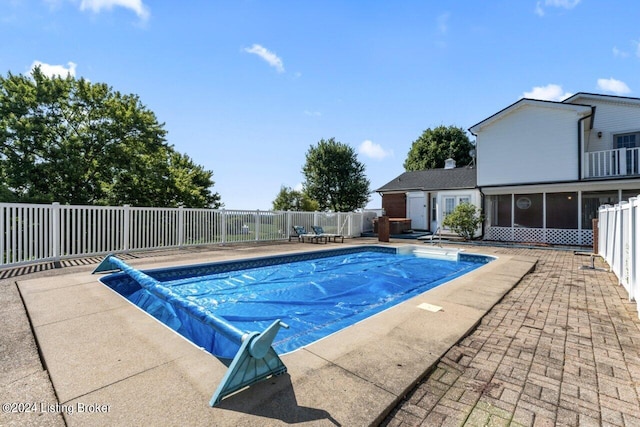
(594, 230)
(4, 253)
(223, 221)
(631, 262)
(180, 226)
(621, 249)
(55, 233)
(126, 227)
(350, 223)
(257, 225)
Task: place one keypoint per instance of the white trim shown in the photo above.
(629, 184)
(581, 110)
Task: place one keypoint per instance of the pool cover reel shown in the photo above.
(256, 359)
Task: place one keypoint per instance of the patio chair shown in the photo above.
(300, 232)
(320, 232)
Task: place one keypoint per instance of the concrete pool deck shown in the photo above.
(112, 364)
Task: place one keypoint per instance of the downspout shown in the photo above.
(581, 152)
(482, 195)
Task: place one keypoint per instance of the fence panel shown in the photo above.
(619, 243)
(31, 233)
(90, 230)
(25, 233)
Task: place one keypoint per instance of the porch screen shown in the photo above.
(591, 201)
(501, 210)
(627, 194)
(562, 210)
(528, 210)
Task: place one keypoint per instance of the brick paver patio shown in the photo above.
(562, 348)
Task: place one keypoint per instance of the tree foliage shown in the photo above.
(334, 177)
(76, 142)
(464, 220)
(434, 146)
(289, 199)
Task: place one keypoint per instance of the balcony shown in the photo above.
(611, 163)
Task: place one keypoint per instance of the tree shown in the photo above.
(76, 142)
(334, 177)
(289, 199)
(464, 220)
(433, 147)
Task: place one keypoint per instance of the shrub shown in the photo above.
(464, 220)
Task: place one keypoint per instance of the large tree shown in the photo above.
(289, 199)
(434, 146)
(334, 177)
(76, 142)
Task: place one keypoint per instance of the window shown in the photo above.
(449, 206)
(434, 209)
(626, 141)
(629, 141)
(450, 203)
(562, 210)
(528, 210)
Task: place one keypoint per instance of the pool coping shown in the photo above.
(101, 350)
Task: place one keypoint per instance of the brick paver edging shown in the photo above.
(562, 348)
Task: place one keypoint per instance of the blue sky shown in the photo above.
(245, 87)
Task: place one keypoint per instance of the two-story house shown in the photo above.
(545, 167)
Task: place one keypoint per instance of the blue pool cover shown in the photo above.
(315, 297)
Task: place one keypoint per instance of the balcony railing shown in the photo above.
(612, 163)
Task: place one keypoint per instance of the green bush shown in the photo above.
(464, 220)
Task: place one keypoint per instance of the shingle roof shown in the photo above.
(432, 179)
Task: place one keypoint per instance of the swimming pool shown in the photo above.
(315, 293)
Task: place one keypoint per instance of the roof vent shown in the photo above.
(449, 164)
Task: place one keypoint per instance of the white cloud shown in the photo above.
(55, 70)
(98, 5)
(443, 22)
(614, 86)
(264, 53)
(565, 4)
(619, 53)
(549, 92)
(375, 151)
(312, 113)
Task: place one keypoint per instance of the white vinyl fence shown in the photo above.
(32, 233)
(619, 243)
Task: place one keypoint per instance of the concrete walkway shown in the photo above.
(562, 347)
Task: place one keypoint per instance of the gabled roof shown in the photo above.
(432, 180)
(580, 109)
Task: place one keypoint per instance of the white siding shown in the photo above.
(611, 118)
(529, 145)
